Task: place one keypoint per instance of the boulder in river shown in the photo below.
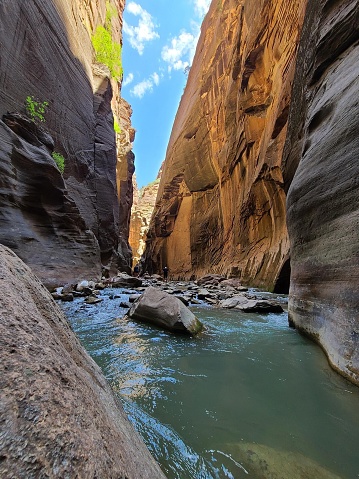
(162, 309)
(247, 305)
(124, 280)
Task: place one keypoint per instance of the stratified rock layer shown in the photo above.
(323, 199)
(46, 52)
(59, 417)
(221, 203)
(141, 214)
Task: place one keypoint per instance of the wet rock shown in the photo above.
(59, 417)
(133, 297)
(124, 280)
(159, 308)
(262, 462)
(248, 305)
(203, 293)
(123, 304)
(234, 283)
(93, 300)
(210, 279)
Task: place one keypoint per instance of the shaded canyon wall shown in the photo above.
(221, 202)
(68, 226)
(322, 173)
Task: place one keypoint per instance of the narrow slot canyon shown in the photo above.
(179, 239)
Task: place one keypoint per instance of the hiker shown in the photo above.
(165, 273)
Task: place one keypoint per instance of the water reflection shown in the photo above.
(249, 389)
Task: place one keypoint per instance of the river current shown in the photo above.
(248, 398)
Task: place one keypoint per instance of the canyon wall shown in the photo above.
(144, 201)
(322, 174)
(69, 226)
(59, 416)
(221, 201)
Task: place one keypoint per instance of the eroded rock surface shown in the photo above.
(46, 52)
(322, 170)
(221, 203)
(59, 417)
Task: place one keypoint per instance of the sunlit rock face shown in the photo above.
(141, 213)
(46, 52)
(323, 199)
(221, 203)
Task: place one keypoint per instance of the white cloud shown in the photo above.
(180, 52)
(145, 86)
(201, 7)
(156, 78)
(143, 32)
(128, 79)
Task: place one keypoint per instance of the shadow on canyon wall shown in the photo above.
(63, 227)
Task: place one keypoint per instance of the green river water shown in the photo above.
(249, 398)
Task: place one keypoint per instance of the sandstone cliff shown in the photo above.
(322, 169)
(64, 227)
(142, 209)
(221, 203)
(59, 417)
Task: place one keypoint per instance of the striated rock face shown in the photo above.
(59, 417)
(141, 214)
(221, 203)
(124, 173)
(322, 170)
(46, 52)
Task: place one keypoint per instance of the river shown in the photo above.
(248, 398)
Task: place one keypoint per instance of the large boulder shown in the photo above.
(59, 417)
(162, 309)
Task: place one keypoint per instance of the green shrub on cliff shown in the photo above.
(108, 51)
(35, 109)
(116, 126)
(59, 160)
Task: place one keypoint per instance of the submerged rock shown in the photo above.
(262, 462)
(160, 308)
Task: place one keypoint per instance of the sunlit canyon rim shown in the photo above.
(260, 180)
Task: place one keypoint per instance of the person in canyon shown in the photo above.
(165, 273)
(136, 270)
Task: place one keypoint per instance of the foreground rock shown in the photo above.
(59, 417)
(160, 308)
(262, 462)
(323, 198)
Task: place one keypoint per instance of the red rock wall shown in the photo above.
(221, 205)
(46, 51)
(322, 171)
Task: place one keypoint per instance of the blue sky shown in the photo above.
(159, 40)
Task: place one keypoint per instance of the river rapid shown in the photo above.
(248, 398)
